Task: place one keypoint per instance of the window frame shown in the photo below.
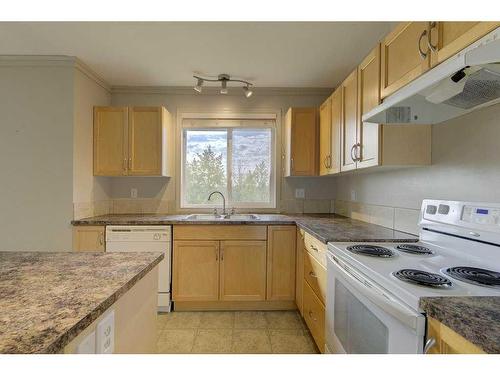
(272, 204)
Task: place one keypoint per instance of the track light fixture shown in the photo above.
(223, 79)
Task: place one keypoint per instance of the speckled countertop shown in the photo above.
(325, 227)
(475, 318)
(47, 299)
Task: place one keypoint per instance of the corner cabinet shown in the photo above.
(131, 141)
(301, 142)
(447, 341)
(281, 262)
(89, 238)
(330, 123)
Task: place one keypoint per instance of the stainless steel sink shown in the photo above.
(210, 217)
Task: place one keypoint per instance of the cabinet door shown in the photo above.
(314, 315)
(401, 60)
(145, 141)
(451, 37)
(243, 270)
(315, 275)
(325, 121)
(281, 262)
(349, 122)
(299, 269)
(368, 98)
(304, 135)
(110, 140)
(195, 274)
(88, 238)
(336, 124)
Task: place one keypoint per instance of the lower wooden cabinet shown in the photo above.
(299, 269)
(314, 315)
(243, 270)
(315, 275)
(281, 262)
(89, 238)
(448, 341)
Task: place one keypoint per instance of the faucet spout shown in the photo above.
(223, 201)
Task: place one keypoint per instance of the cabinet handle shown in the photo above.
(222, 254)
(311, 316)
(429, 344)
(423, 55)
(124, 165)
(353, 157)
(101, 239)
(292, 167)
(358, 147)
(129, 163)
(312, 274)
(314, 248)
(216, 255)
(433, 48)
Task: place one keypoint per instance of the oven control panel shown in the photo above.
(481, 215)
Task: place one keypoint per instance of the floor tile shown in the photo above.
(182, 320)
(251, 341)
(176, 341)
(217, 319)
(161, 320)
(213, 341)
(283, 320)
(291, 341)
(250, 320)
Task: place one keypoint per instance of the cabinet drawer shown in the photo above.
(315, 275)
(314, 315)
(316, 248)
(220, 232)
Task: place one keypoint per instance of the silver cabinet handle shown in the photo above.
(129, 163)
(216, 255)
(423, 55)
(429, 344)
(314, 248)
(433, 48)
(292, 165)
(352, 149)
(101, 239)
(311, 316)
(357, 147)
(222, 254)
(124, 165)
(312, 274)
(329, 161)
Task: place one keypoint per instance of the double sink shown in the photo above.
(235, 217)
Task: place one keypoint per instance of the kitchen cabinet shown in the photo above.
(325, 131)
(405, 56)
(301, 142)
(448, 341)
(131, 141)
(299, 269)
(195, 271)
(448, 38)
(281, 262)
(89, 238)
(315, 275)
(314, 315)
(243, 270)
(349, 124)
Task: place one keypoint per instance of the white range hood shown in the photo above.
(461, 84)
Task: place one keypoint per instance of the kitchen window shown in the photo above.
(233, 156)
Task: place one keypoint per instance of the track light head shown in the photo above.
(198, 88)
(247, 91)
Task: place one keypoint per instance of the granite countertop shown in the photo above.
(47, 298)
(475, 318)
(325, 227)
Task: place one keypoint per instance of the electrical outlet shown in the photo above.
(300, 193)
(353, 195)
(106, 334)
(133, 193)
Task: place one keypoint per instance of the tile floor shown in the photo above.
(234, 332)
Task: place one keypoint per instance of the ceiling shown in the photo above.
(270, 54)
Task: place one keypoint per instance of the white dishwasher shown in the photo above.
(145, 238)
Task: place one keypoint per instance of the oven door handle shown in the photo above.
(404, 314)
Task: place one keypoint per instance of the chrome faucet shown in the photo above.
(224, 213)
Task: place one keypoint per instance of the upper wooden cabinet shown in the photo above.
(405, 55)
(301, 142)
(281, 262)
(131, 141)
(449, 38)
(349, 124)
(325, 131)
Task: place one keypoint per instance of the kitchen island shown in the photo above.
(51, 301)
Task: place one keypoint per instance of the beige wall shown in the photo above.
(465, 166)
(36, 155)
(154, 192)
(90, 194)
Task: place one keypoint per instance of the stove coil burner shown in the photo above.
(371, 250)
(414, 249)
(478, 276)
(422, 278)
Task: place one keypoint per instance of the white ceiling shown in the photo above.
(287, 54)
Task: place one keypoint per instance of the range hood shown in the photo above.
(466, 81)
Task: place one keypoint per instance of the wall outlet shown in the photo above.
(87, 346)
(106, 334)
(133, 193)
(353, 195)
(300, 193)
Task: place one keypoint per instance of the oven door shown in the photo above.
(363, 318)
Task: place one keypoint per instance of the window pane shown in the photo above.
(251, 165)
(205, 164)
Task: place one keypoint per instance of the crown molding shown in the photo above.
(233, 91)
(85, 69)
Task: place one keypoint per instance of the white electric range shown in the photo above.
(374, 289)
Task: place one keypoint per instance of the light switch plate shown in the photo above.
(133, 193)
(300, 193)
(87, 346)
(106, 334)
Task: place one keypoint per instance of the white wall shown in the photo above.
(319, 190)
(465, 166)
(36, 157)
